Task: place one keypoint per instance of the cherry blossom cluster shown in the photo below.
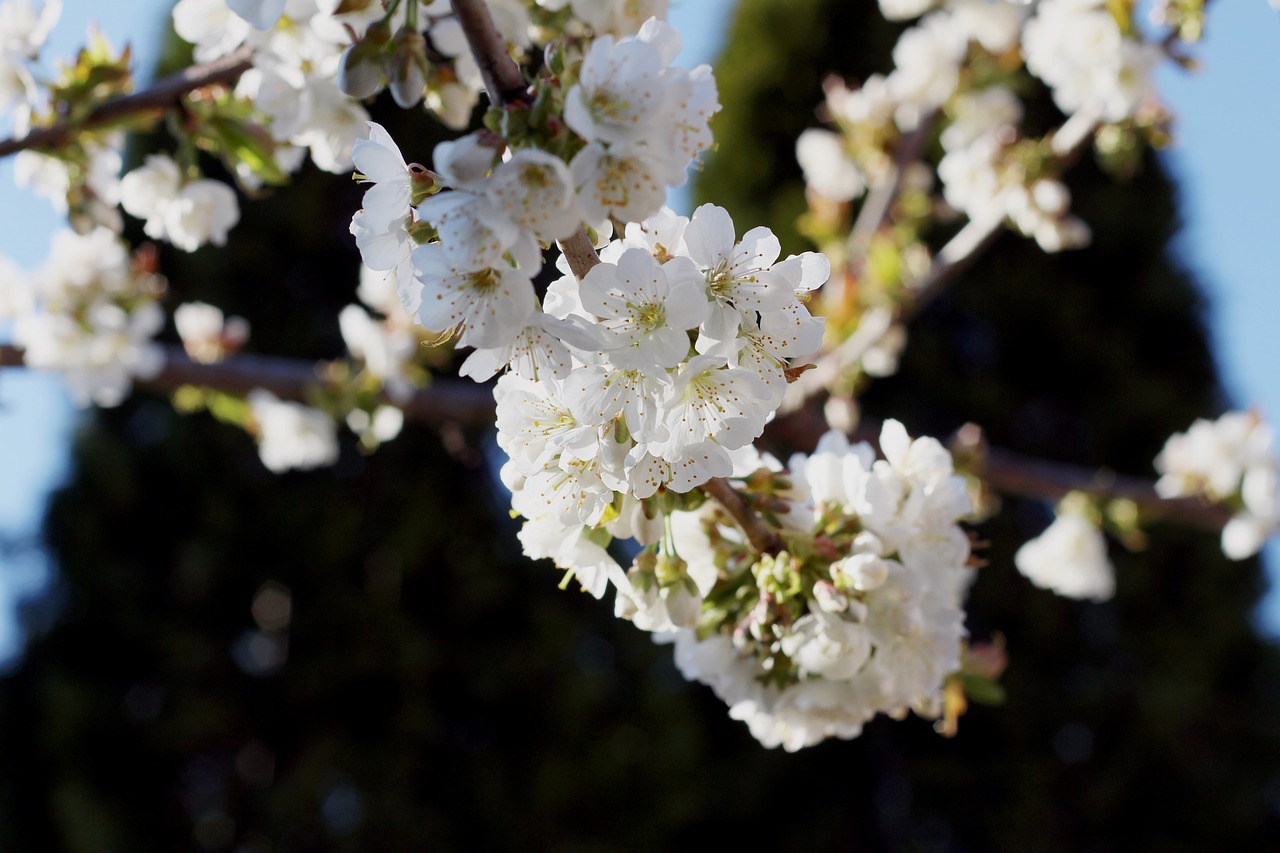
(661, 365)
(81, 180)
(987, 171)
(860, 614)
(809, 597)
(463, 242)
(427, 58)
(89, 314)
(185, 213)
(1229, 461)
(24, 27)
(296, 49)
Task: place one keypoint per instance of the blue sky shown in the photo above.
(1224, 160)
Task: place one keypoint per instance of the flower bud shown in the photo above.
(407, 72)
(671, 569)
(867, 542)
(1051, 196)
(829, 598)
(360, 70)
(863, 572)
(684, 604)
(423, 183)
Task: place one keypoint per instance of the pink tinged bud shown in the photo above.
(829, 598)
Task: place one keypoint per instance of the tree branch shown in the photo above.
(956, 256)
(468, 404)
(580, 253)
(875, 210)
(502, 76)
(444, 401)
(158, 97)
(762, 539)
(506, 85)
(1024, 476)
(959, 253)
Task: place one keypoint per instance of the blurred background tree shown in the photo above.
(359, 659)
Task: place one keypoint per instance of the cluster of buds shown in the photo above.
(1228, 461)
(860, 613)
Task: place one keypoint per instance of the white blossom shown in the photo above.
(828, 169)
(206, 334)
(1069, 558)
(291, 435)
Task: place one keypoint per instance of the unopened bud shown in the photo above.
(646, 561)
(829, 598)
(422, 183)
(671, 569)
(863, 572)
(684, 604)
(867, 542)
(407, 71)
(1051, 196)
(360, 70)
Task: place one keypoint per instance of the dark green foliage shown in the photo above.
(439, 693)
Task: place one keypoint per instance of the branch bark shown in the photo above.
(762, 539)
(875, 210)
(956, 256)
(1016, 474)
(444, 401)
(468, 404)
(506, 85)
(502, 76)
(156, 98)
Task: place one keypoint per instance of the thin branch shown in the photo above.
(762, 539)
(1019, 475)
(956, 256)
(506, 85)
(502, 76)
(158, 97)
(444, 401)
(959, 253)
(1066, 143)
(875, 210)
(468, 404)
(1015, 474)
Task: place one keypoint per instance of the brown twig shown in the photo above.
(444, 401)
(469, 404)
(875, 210)
(157, 97)
(580, 254)
(959, 253)
(762, 539)
(1019, 475)
(1015, 474)
(502, 77)
(506, 85)
(956, 256)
